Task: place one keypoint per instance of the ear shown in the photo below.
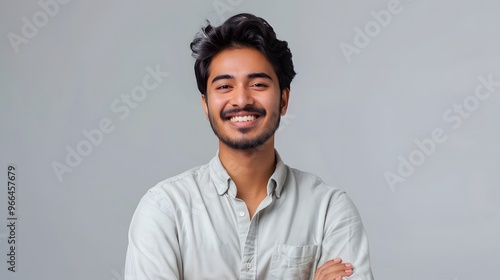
(204, 104)
(285, 95)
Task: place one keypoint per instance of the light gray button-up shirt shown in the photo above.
(192, 226)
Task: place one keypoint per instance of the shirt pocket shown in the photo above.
(292, 262)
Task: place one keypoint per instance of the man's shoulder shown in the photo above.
(188, 175)
(176, 192)
(178, 184)
(308, 181)
(185, 179)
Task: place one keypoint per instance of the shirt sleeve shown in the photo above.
(345, 237)
(153, 250)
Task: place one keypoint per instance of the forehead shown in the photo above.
(240, 62)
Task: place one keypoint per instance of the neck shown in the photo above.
(250, 170)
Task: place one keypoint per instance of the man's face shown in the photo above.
(243, 101)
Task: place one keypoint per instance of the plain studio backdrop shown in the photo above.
(397, 102)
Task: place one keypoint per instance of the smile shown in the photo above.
(243, 118)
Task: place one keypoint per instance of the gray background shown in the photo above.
(348, 122)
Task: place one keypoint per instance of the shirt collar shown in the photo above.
(219, 175)
(222, 178)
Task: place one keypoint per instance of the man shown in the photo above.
(245, 215)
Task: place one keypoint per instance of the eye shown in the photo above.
(222, 87)
(259, 85)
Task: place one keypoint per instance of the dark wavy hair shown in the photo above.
(240, 31)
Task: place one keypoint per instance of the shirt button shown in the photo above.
(249, 265)
(242, 213)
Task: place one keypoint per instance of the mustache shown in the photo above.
(247, 109)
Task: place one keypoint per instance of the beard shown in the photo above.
(247, 144)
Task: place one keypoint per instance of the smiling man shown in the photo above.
(245, 214)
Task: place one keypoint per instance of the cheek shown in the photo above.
(215, 106)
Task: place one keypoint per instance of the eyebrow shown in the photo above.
(250, 76)
(259, 75)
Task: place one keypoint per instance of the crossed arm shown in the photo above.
(344, 250)
(345, 239)
(333, 270)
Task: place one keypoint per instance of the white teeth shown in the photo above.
(242, 118)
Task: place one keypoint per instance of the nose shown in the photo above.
(241, 97)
